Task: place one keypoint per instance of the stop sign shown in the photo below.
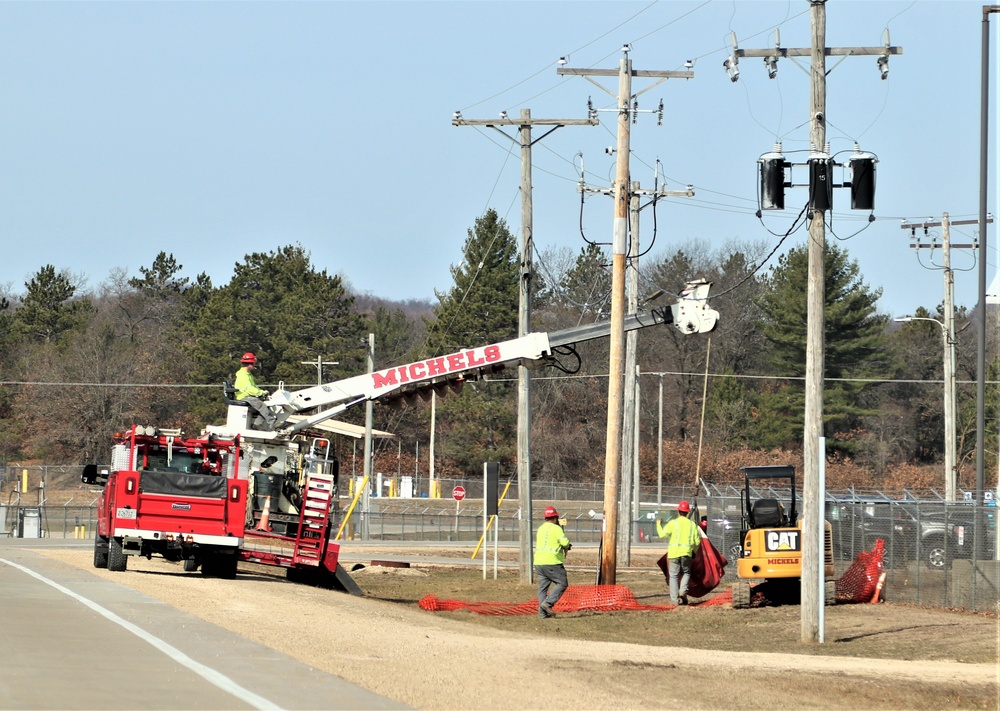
(458, 492)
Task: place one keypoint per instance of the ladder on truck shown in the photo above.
(317, 502)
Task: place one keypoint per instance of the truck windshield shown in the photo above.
(180, 462)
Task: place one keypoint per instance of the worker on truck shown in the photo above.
(683, 539)
(248, 392)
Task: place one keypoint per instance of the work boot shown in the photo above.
(683, 600)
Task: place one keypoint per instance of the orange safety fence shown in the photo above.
(577, 598)
(860, 583)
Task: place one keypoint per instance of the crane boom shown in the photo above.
(690, 314)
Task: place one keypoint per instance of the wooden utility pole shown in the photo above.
(812, 547)
(523, 139)
(613, 449)
(630, 405)
(820, 175)
(948, 333)
(629, 505)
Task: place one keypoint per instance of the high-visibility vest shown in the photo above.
(244, 385)
(550, 544)
(682, 534)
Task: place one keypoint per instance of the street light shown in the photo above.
(950, 472)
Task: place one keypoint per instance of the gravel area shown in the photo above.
(440, 661)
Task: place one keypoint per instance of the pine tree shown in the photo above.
(480, 308)
(280, 307)
(49, 309)
(854, 342)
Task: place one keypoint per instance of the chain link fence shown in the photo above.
(936, 553)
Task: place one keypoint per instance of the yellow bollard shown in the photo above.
(350, 510)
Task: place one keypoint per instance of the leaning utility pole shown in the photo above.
(629, 505)
(613, 449)
(524, 124)
(821, 174)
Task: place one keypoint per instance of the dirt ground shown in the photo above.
(882, 656)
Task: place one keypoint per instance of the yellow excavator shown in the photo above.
(770, 562)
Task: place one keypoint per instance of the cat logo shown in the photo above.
(782, 541)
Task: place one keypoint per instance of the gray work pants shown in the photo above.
(554, 575)
(258, 406)
(679, 568)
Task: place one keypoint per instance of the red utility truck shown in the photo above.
(164, 494)
(187, 499)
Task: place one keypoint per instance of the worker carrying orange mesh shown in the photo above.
(551, 545)
(683, 539)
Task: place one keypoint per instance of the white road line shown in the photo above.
(208, 674)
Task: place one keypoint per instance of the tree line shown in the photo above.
(78, 364)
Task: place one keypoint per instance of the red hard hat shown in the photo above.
(248, 358)
(550, 512)
(684, 507)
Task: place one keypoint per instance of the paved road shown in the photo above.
(72, 640)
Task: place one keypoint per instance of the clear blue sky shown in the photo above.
(211, 130)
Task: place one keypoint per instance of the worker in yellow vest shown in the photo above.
(683, 538)
(248, 392)
(551, 545)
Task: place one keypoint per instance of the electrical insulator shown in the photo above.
(862, 180)
(820, 181)
(772, 179)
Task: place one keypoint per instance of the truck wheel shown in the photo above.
(227, 565)
(936, 554)
(117, 561)
(741, 594)
(218, 564)
(100, 552)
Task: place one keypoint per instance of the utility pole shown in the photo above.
(628, 506)
(319, 363)
(368, 441)
(523, 139)
(820, 182)
(631, 396)
(984, 143)
(613, 449)
(948, 331)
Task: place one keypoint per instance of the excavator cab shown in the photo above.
(770, 560)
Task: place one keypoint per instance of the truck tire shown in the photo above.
(117, 561)
(936, 554)
(219, 564)
(228, 563)
(100, 552)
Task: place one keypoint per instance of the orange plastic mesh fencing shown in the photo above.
(594, 598)
(860, 581)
